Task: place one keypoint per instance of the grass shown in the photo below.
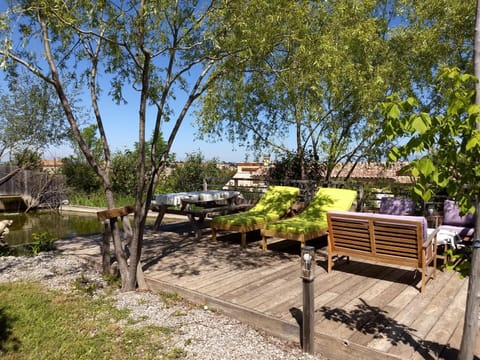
(98, 199)
(36, 323)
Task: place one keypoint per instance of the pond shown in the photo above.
(57, 224)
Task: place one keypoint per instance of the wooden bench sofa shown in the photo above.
(390, 239)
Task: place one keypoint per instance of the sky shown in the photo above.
(121, 124)
(121, 127)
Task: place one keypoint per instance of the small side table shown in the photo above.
(445, 240)
(434, 221)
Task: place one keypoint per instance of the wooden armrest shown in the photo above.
(430, 237)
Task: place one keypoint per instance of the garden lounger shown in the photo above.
(311, 222)
(273, 205)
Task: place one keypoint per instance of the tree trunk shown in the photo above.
(470, 327)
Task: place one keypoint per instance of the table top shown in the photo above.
(176, 199)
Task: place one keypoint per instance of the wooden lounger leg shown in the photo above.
(244, 240)
(330, 262)
(214, 234)
(423, 279)
(264, 243)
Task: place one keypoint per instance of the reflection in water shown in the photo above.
(58, 225)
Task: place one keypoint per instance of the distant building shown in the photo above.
(251, 173)
(52, 166)
(248, 174)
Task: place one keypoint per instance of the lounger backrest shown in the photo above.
(277, 200)
(327, 199)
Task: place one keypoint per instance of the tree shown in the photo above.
(162, 49)
(470, 328)
(446, 148)
(30, 120)
(80, 176)
(124, 167)
(322, 82)
(195, 172)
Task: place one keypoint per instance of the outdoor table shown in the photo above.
(197, 205)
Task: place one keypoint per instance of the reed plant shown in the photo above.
(97, 199)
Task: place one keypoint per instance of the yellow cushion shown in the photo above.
(314, 217)
(273, 205)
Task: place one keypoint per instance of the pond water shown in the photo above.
(58, 225)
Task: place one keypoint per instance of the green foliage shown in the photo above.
(190, 175)
(92, 142)
(124, 172)
(288, 168)
(30, 118)
(42, 242)
(444, 145)
(329, 64)
(125, 167)
(97, 199)
(458, 261)
(28, 159)
(80, 177)
(85, 285)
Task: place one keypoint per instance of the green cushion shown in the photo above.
(314, 217)
(273, 205)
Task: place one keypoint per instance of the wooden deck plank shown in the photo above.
(247, 282)
(363, 310)
(402, 310)
(438, 338)
(432, 307)
(374, 318)
(275, 288)
(285, 300)
(351, 288)
(369, 316)
(256, 285)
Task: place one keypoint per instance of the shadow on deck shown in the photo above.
(362, 310)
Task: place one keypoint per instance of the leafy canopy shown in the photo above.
(445, 145)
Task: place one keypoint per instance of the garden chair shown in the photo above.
(312, 221)
(452, 221)
(275, 204)
(455, 231)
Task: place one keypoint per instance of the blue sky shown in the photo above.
(121, 124)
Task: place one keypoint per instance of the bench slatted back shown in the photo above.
(384, 238)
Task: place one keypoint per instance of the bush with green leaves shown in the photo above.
(191, 174)
(288, 168)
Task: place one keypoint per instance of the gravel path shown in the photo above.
(201, 333)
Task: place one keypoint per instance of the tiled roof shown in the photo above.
(370, 170)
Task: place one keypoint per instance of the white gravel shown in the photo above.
(200, 332)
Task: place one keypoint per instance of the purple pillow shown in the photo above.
(451, 215)
(397, 206)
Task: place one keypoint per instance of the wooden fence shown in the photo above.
(37, 188)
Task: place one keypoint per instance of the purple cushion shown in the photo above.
(451, 215)
(397, 206)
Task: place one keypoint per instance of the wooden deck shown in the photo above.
(362, 310)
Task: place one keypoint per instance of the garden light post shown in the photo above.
(308, 275)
